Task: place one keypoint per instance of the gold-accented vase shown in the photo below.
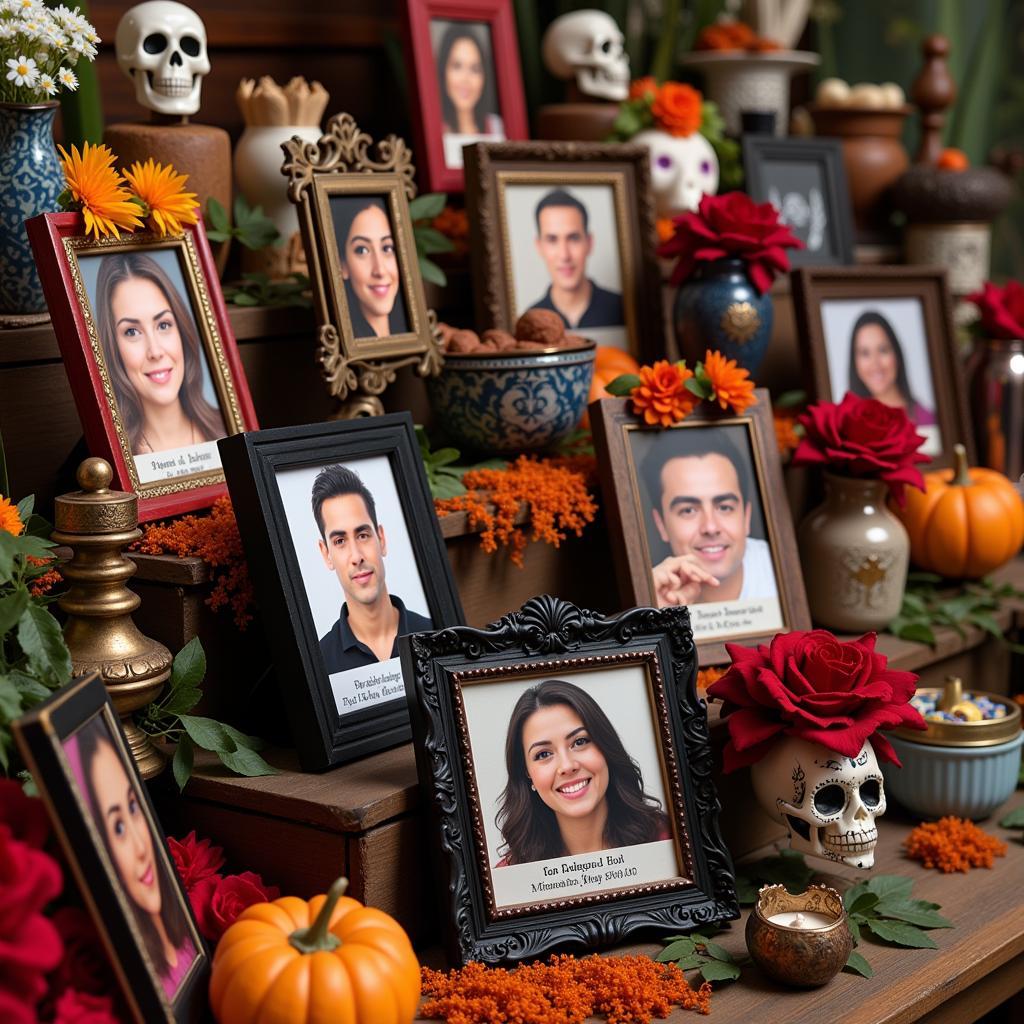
(854, 553)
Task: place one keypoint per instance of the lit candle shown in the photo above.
(802, 919)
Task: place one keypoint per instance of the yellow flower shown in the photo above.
(160, 188)
(99, 191)
(9, 518)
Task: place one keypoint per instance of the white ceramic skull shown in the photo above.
(682, 169)
(588, 45)
(161, 47)
(828, 802)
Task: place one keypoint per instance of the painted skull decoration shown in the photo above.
(828, 802)
(161, 47)
(588, 46)
(682, 169)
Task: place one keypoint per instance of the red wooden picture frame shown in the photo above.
(498, 15)
(57, 241)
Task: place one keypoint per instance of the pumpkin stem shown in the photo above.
(316, 938)
(961, 476)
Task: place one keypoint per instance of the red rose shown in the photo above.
(14, 1009)
(85, 966)
(862, 437)
(1002, 309)
(195, 859)
(810, 685)
(217, 901)
(84, 1008)
(25, 816)
(732, 226)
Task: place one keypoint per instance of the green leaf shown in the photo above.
(853, 894)
(181, 765)
(855, 962)
(700, 388)
(208, 734)
(1015, 819)
(918, 576)
(788, 869)
(716, 970)
(986, 622)
(679, 948)
(690, 963)
(716, 952)
(790, 399)
(431, 272)
(430, 240)
(746, 891)
(189, 666)
(891, 886)
(181, 701)
(444, 457)
(32, 690)
(912, 912)
(12, 608)
(854, 926)
(866, 901)
(10, 699)
(217, 217)
(918, 631)
(901, 934)
(446, 485)
(913, 605)
(245, 762)
(428, 206)
(40, 638)
(240, 298)
(25, 507)
(622, 385)
(242, 740)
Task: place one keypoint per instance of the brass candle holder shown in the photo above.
(98, 524)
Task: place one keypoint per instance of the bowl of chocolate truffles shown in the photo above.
(515, 391)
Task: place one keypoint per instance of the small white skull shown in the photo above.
(682, 169)
(828, 802)
(161, 47)
(588, 45)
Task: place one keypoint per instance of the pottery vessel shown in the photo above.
(995, 390)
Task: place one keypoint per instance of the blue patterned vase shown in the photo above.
(719, 308)
(30, 182)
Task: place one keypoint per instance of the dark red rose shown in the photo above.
(25, 816)
(84, 966)
(731, 226)
(1002, 309)
(810, 685)
(862, 437)
(75, 1007)
(195, 859)
(217, 901)
(16, 1009)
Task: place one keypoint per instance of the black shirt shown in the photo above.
(342, 651)
(605, 309)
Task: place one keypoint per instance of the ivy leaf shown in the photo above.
(913, 912)
(1015, 819)
(681, 947)
(181, 765)
(189, 668)
(901, 934)
(40, 638)
(858, 964)
(245, 762)
(427, 207)
(716, 970)
(623, 385)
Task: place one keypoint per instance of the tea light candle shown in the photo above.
(807, 919)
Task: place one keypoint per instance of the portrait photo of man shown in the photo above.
(702, 497)
(353, 546)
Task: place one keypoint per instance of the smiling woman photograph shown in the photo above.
(140, 864)
(153, 355)
(572, 787)
(368, 254)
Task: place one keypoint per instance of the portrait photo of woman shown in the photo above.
(370, 267)
(152, 350)
(139, 860)
(465, 78)
(572, 786)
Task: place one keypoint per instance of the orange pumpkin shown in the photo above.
(966, 523)
(328, 960)
(609, 363)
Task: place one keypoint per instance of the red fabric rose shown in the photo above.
(195, 859)
(731, 226)
(84, 1008)
(810, 685)
(1002, 309)
(85, 966)
(862, 437)
(217, 901)
(25, 816)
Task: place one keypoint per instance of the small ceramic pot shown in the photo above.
(995, 389)
(854, 553)
(801, 956)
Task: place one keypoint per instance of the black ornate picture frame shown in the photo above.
(334, 719)
(460, 681)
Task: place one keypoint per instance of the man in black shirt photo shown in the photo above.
(564, 243)
(353, 546)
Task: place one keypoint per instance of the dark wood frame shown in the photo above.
(322, 736)
(57, 241)
(500, 17)
(490, 164)
(814, 285)
(41, 734)
(612, 418)
(548, 635)
(827, 154)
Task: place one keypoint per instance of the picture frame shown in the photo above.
(344, 700)
(508, 186)
(339, 185)
(431, 31)
(506, 898)
(750, 530)
(907, 311)
(104, 296)
(77, 753)
(805, 180)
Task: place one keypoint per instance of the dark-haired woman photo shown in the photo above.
(572, 787)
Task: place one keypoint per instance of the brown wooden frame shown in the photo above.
(814, 285)
(490, 165)
(612, 419)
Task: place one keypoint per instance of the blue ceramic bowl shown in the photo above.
(512, 403)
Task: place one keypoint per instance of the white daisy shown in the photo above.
(22, 71)
(32, 28)
(7, 30)
(67, 78)
(46, 84)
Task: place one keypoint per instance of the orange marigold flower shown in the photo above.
(161, 189)
(707, 676)
(662, 397)
(99, 191)
(9, 518)
(666, 228)
(731, 384)
(641, 88)
(786, 437)
(677, 108)
(953, 844)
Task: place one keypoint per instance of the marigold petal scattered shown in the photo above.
(161, 188)
(99, 191)
(953, 844)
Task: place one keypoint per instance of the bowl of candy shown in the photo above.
(966, 763)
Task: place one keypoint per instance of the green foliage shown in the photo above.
(622, 385)
(429, 241)
(790, 399)
(252, 227)
(788, 868)
(696, 952)
(168, 719)
(259, 290)
(1015, 819)
(444, 474)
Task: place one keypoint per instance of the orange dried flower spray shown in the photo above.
(953, 844)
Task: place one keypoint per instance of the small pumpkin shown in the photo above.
(965, 523)
(609, 362)
(328, 960)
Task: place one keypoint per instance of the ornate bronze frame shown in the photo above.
(357, 372)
